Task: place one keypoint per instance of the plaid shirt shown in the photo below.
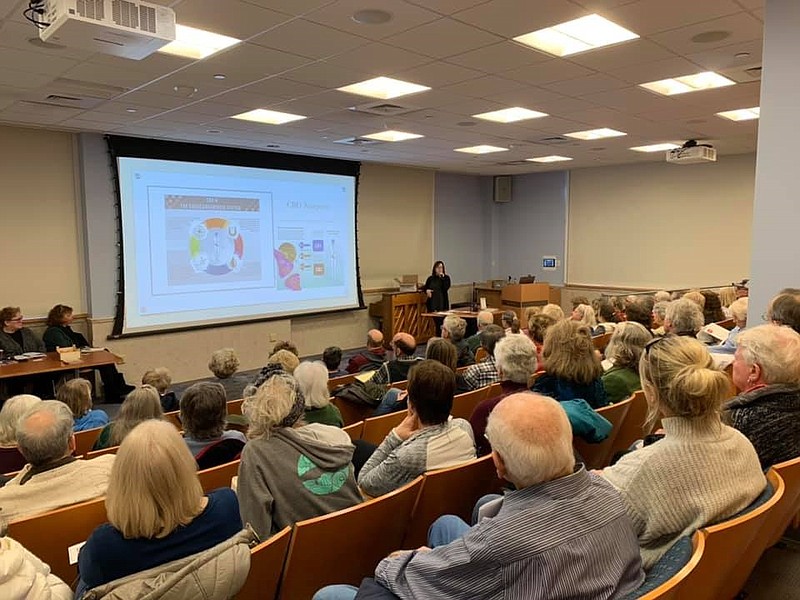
(382, 377)
(482, 374)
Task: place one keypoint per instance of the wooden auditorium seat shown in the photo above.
(174, 418)
(96, 453)
(677, 586)
(235, 406)
(601, 341)
(597, 456)
(355, 430)
(84, 440)
(335, 382)
(481, 353)
(352, 412)
(632, 427)
(790, 503)
(218, 477)
(266, 565)
(464, 404)
(346, 546)
(377, 428)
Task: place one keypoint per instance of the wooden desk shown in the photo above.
(493, 295)
(518, 297)
(402, 311)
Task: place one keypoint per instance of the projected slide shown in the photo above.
(213, 243)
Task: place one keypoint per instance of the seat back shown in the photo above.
(632, 427)
(218, 477)
(597, 456)
(377, 428)
(219, 453)
(464, 404)
(266, 565)
(451, 491)
(494, 390)
(346, 546)
(96, 453)
(355, 430)
(235, 406)
(174, 418)
(49, 536)
(480, 354)
(84, 440)
(601, 341)
(789, 471)
(676, 587)
(352, 412)
(335, 382)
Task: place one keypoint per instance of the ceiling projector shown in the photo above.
(692, 153)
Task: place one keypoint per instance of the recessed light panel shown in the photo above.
(482, 149)
(510, 115)
(383, 88)
(197, 43)
(595, 134)
(578, 35)
(655, 147)
(270, 117)
(393, 136)
(741, 114)
(688, 83)
(548, 159)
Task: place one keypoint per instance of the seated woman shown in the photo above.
(157, 513)
(15, 338)
(427, 439)
(537, 328)
(59, 334)
(766, 371)
(11, 458)
(291, 471)
(142, 404)
(203, 412)
(223, 364)
(77, 394)
(312, 383)
(584, 314)
(738, 310)
(572, 367)
(659, 316)
(712, 307)
(160, 378)
(623, 352)
(606, 317)
(702, 471)
(282, 360)
(24, 575)
(554, 311)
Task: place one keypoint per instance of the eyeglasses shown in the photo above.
(17, 319)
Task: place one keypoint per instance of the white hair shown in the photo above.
(45, 441)
(738, 309)
(312, 381)
(485, 317)
(587, 315)
(662, 296)
(456, 327)
(515, 356)
(774, 348)
(12, 410)
(685, 316)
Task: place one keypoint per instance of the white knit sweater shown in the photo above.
(699, 474)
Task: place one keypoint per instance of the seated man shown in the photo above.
(53, 478)
(562, 532)
(426, 439)
(485, 318)
(204, 409)
(404, 345)
(453, 329)
(372, 358)
(485, 372)
(332, 356)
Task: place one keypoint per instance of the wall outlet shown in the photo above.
(272, 337)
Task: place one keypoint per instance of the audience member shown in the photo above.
(53, 477)
(537, 328)
(15, 338)
(572, 367)
(658, 316)
(403, 345)
(507, 320)
(584, 314)
(291, 471)
(727, 296)
(640, 310)
(606, 317)
(160, 378)
(332, 358)
(766, 372)
(485, 372)
(712, 307)
(554, 311)
(453, 329)
(562, 532)
(24, 576)
(142, 404)
(285, 345)
(224, 364)
(696, 297)
(282, 360)
(485, 318)
(624, 351)
(683, 317)
(702, 471)
(515, 356)
(784, 309)
(578, 300)
(427, 438)
(372, 358)
(662, 296)
(11, 458)
(444, 352)
(203, 412)
(77, 394)
(312, 383)
(157, 514)
(738, 311)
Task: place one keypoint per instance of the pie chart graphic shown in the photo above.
(215, 246)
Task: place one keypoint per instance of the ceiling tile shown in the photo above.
(505, 55)
(447, 7)
(631, 100)
(291, 7)
(438, 74)
(586, 85)
(281, 89)
(510, 18)
(237, 19)
(742, 27)
(651, 16)
(555, 69)
(326, 75)
(107, 75)
(660, 69)
(620, 55)
(34, 62)
(443, 38)
(723, 58)
(405, 16)
(482, 86)
(540, 99)
(23, 80)
(379, 59)
(296, 37)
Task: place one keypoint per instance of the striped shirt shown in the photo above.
(565, 539)
(482, 374)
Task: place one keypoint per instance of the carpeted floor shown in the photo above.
(777, 574)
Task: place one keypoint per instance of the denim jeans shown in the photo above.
(389, 403)
(336, 592)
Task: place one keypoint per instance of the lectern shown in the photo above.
(519, 296)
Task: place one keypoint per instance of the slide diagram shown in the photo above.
(306, 257)
(216, 246)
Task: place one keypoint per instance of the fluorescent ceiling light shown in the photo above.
(578, 35)
(383, 88)
(548, 159)
(688, 83)
(197, 43)
(741, 114)
(510, 115)
(595, 134)
(655, 147)
(270, 117)
(482, 149)
(393, 136)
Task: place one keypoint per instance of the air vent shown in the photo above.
(91, 9)
(552, 140)
(383, 108)
(357, 141)
(72, 93)
(513, 163)
(125, 14)
(754, 72)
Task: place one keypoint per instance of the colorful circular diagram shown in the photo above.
(215, 246)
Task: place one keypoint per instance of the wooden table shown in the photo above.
(469, 316)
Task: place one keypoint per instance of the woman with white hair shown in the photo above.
(766, 371)
(584, 314)
(623, 352)
(291, 471)
(11, 458)
(157, 514)
(312, 383)
(684, 317)
(738, 310)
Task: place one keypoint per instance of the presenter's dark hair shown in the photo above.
(58, 314)
(436, 264)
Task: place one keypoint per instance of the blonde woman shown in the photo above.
(312, 382)
(77, 394)
(141, 404)
(572, 367)
(727, 296)
(291, 471)
(11, 458)
(224, 364)
(702, 471)
(554, 311)
(161, 378)
(157, 513)
(623, 353)
(584, 314)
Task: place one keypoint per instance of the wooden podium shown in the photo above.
(402, 311)
(519, 296)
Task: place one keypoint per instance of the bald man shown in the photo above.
(562, 528)
(372, 358)
(485, 318)
(404, 345)
(53, 477)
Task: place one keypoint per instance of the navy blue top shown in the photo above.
(108, 556)
(549, 385)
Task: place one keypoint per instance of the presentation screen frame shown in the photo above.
(144, 148)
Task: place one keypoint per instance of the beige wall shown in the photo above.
(658, 225)
(38, 230)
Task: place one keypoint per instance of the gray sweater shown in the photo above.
(295, 474)
(30, 343)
